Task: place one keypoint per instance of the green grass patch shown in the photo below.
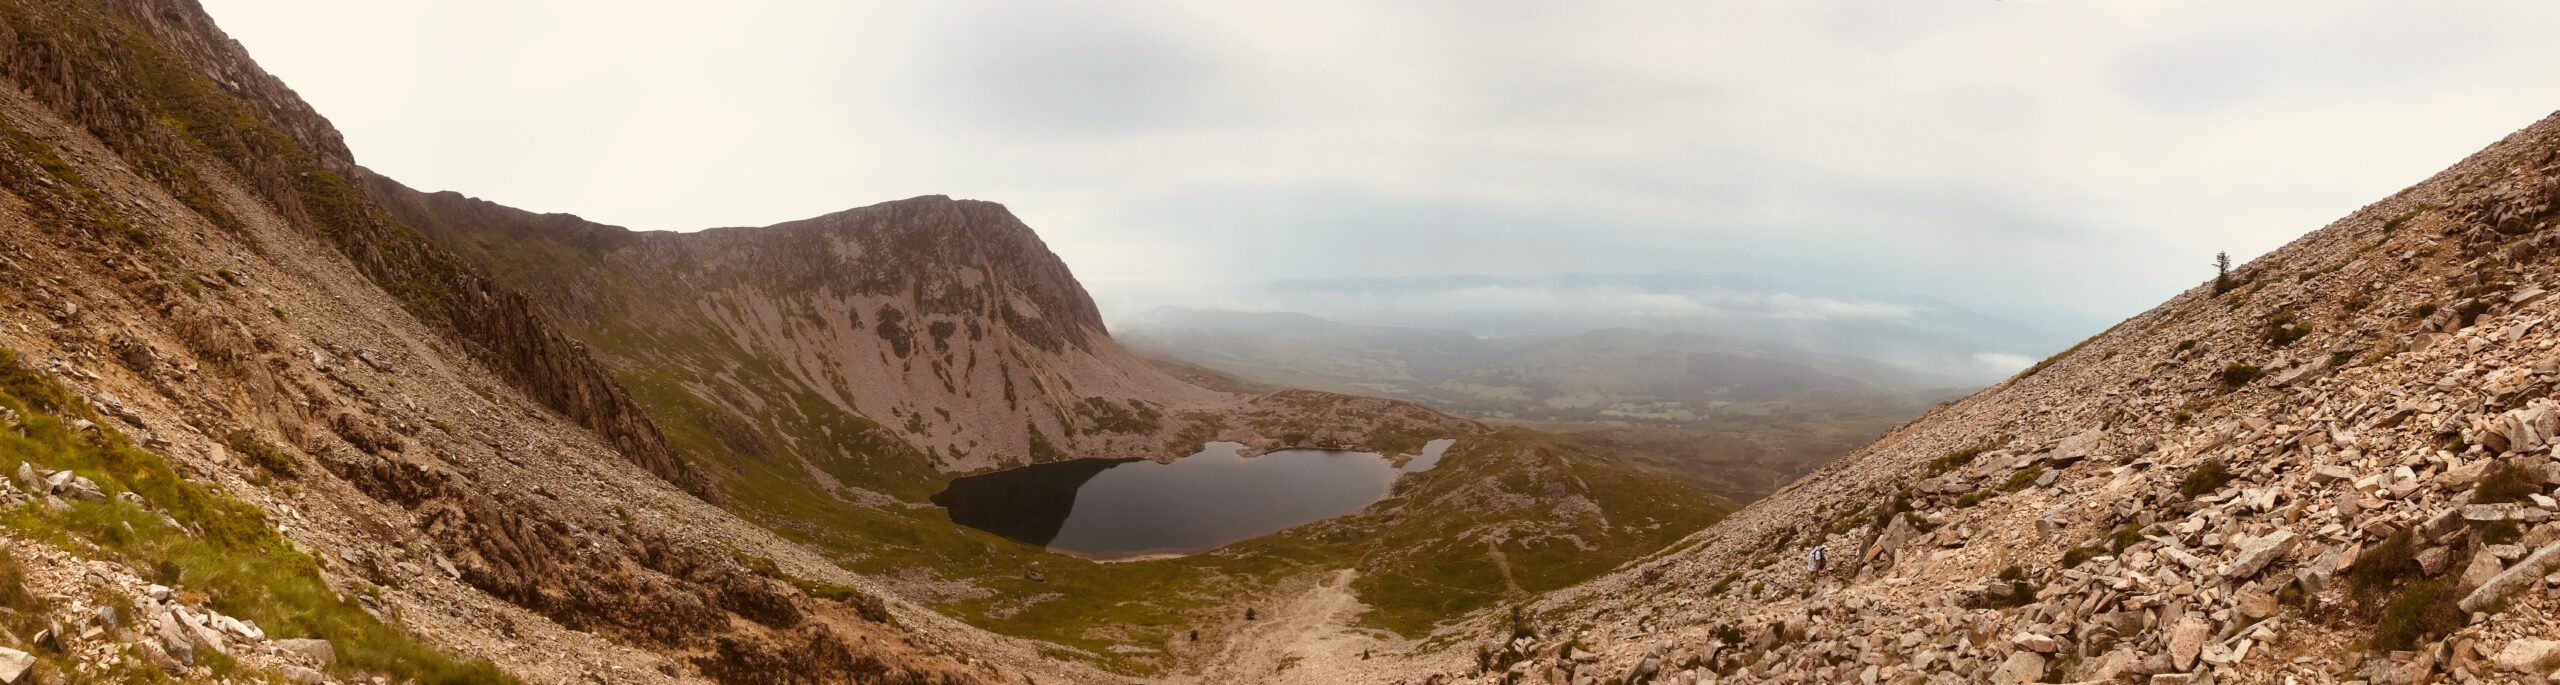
(227, 550)
(258, 453)
(2284, 327)
(2207, 477)
(1952, 461)
(2237, 375)
(2023, 478)
(2501, 532)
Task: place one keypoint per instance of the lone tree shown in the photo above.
(1248, 614)
(2221, 272)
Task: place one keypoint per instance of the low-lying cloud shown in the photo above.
(1608, 301)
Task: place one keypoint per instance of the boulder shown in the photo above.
(2022, 667)
(2255, 603)
(315, 650)
(2483, 568)
(14, 665)
(2527, 655)
(2186, 642)
(2518, 577)
(2104, 669)
(2256, 553)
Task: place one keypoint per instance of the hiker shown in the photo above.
(1813, 560)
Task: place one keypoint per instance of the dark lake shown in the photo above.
(1120, 508)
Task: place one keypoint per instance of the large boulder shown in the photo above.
(2186, 642)
(2022, 667)
(2530, 655)
(2256, 553)
(14, 665)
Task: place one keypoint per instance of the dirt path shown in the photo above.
(1307, 639)
(1503, 561)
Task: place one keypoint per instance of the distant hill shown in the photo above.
(1921, 334)
(1734, 416)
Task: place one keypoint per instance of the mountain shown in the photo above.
(258, 429)
(830, 376)
(2332, 465)
(266, 415)
(1736, 417)
(931, 324)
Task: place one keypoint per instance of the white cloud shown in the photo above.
(1993, 364)
(2072, 158)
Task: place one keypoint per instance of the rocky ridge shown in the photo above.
(338, 421)
(942, 333)
(2334, 465)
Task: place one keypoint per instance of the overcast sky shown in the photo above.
(2065, 163)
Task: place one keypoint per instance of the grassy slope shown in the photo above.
(1091, 607)
(224, 549)
(1420, 570)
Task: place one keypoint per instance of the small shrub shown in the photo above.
(1725, 584)
(2023, 479)
(2507, 483)
(2425, 310)
(2237, 375)
(1952, 461)
(258, 454)
(2187, 344)
(2206, 478)
(2284, 327)
(2010, 591)
(2402, 220)
(2424, 612)
(2125, 537)
(2383, 565)
(2501, 532)
(2292, 595)
(2469, 313)
(2076, 556)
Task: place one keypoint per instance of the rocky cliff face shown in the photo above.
(196, 98)
(935, 325)
(2333, 466)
